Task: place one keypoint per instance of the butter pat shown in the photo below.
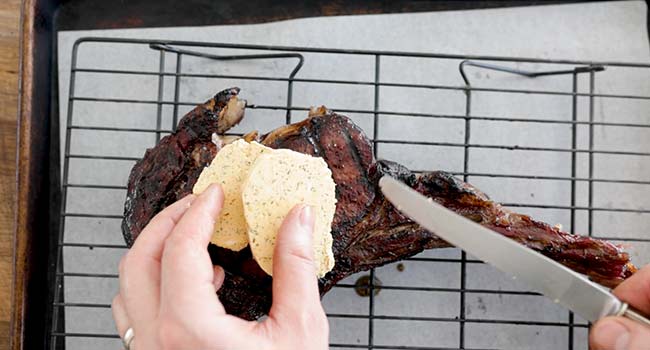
(278, 181)
(230, 168)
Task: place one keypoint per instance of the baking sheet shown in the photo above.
(595, 31)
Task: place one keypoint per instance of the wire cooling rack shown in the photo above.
(540, 135)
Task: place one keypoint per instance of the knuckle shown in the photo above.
(162, 220)
(323, 322)
(320, 321)
(122, 266)
(174, 241)
(115, 301)
(301, 256)
(178, 240)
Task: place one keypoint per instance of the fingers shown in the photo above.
(219, 276)
(295, 288)
(187, 275)
(119, 315)
(151, 240)
(618, 333)
(636, 290)
(140, 267)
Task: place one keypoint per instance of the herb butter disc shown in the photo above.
(278, 181)
(230, 168)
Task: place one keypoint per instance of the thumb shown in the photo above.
(295, 288)
(619, 333)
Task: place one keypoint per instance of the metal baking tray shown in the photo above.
(39, 185)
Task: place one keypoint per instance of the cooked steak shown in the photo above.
(367, 230)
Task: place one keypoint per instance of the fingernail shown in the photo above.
(219, 277)
(212, 189)
(306, 217)
(218, 270)
(612, 335)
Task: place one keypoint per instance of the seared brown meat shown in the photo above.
(367, 230)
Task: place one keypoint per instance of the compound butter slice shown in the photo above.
(230, 168)
(277, 182)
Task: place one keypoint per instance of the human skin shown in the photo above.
(168, 285)
(619, 333)
(168, 289)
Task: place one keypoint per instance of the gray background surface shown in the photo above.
(597, 31)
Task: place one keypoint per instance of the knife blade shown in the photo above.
(557, 282)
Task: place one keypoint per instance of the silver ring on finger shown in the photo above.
(128, 338)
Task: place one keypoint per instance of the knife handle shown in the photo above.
(628, 312)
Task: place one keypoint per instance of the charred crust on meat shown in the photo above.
(167, 171)
(367, 230)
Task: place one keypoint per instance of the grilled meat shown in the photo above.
(367, 230)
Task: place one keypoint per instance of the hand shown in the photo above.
(619, 333)
(168, 285)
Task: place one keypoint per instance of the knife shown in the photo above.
(557, 282)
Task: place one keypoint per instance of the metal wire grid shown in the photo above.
(181, 49)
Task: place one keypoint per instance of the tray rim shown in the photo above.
(37, 40)
(33, 116)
